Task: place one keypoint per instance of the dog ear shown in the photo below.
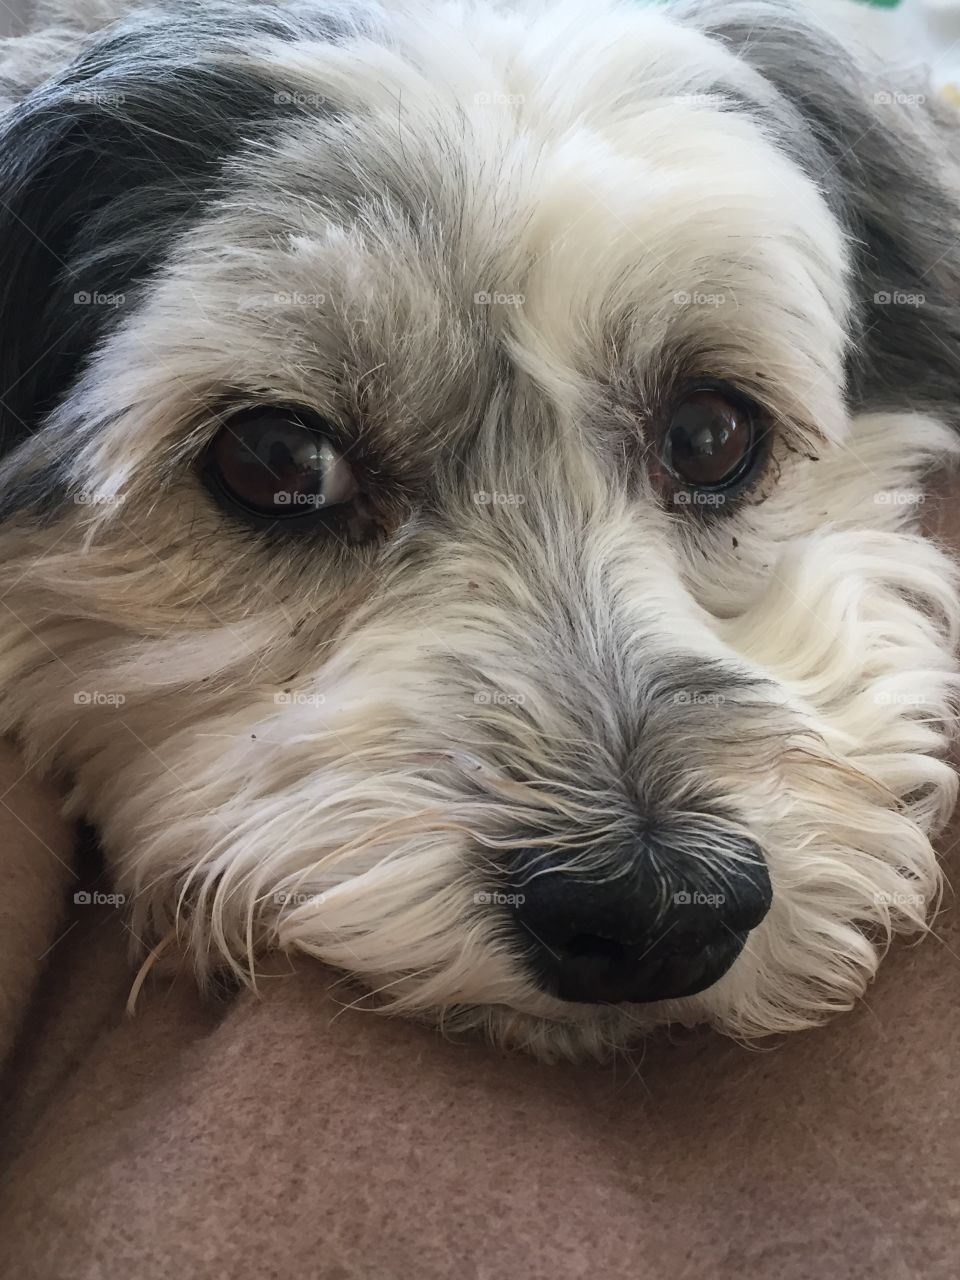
(886, 160)
(102, 167)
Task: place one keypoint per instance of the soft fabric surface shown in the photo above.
(285, 1133)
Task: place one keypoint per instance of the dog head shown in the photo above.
(460, 493)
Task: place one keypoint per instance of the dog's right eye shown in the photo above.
(713, 443)
(278, 464)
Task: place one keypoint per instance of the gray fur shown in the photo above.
(887, 163)
(105, 166)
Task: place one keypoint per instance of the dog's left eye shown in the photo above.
(712, 439)
(279, 463)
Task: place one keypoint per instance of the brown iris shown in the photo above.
(279, 463)
(711, 440)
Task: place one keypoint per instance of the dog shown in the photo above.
(461, 479)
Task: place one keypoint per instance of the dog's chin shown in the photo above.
(569, 1033)
(523, 1019)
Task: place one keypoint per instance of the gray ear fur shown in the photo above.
(103, 165)
(886, 157)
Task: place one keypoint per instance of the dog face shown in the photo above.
(460, 494)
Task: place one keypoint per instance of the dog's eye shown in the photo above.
(278, 463)
(711, 440)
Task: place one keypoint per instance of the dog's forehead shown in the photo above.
(446, 213)
(622, 218)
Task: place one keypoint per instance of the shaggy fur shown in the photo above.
(487, 242)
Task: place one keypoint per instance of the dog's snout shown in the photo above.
(655, 929)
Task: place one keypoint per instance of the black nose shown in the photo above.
(654, 929)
